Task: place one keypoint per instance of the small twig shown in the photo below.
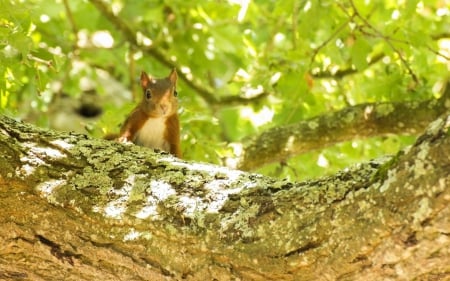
(270, 43)
(132, 72)
(333, 35)
(47, 63)
(341, 73)
(441, 36)
(387, 39)
(294, 23)
(437, 53)
(403, 60)
(70, 17)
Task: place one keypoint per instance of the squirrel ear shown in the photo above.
(145, 79)
(173, 76)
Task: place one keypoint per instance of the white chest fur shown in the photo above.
(152, 134)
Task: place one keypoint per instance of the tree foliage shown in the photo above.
(246, 66)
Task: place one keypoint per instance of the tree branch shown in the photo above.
(84, 209)
(356, 122)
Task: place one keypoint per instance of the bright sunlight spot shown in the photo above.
(241, 74)
(395, 15)
(259, 118)
(244, 6)
(83, 38)
(444, 11)
(44, 18)
(307, 6)
(186, 71)
(322, 161)
(444, 48)
(274, 79)
(102, 39)
(143, 40)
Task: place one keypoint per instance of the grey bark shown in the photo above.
(75, 208)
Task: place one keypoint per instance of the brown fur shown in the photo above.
(162, 104)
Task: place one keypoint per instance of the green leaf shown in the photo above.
(359, 53)
(410, 7)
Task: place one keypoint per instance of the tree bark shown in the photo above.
(75, 208)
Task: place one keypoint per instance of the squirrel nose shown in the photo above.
(164, 108)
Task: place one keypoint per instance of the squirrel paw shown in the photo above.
(123, 140)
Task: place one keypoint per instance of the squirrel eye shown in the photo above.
(175, 93)
(148, 93)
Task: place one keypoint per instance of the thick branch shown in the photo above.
(356, 122)
(82, 209)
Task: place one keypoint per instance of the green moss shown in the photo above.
(383, 169)
(138, 192)
(384, 109)
(349, 117)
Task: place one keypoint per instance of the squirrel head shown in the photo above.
(159, 95)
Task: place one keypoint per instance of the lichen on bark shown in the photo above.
(150, 216)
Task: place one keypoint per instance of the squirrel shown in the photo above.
(154, 121)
